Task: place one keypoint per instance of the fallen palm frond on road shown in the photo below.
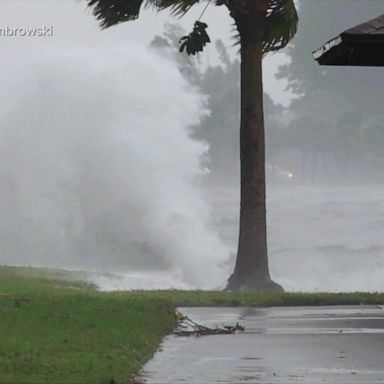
(187, 327)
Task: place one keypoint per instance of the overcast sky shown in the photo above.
(74, 26)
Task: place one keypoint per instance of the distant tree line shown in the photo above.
(337, 117)
(333, 131)
(221, 85)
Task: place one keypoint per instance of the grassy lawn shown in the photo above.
(56, 330)
(61, 332)
(252, 299)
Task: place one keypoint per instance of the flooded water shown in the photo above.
(328, 238)
(320, 239)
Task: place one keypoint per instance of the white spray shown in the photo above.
(98, 169)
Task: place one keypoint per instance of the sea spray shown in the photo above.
(98, 168)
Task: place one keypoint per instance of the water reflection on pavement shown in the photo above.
(340, 344)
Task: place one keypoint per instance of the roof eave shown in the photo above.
(362, 45)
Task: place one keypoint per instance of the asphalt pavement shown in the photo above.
(327, 344)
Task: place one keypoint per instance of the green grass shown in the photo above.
(252, 299)
(64, 332)
(54, 328)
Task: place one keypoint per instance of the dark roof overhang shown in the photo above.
(362, 45)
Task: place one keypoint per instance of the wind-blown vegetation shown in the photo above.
(263, 26)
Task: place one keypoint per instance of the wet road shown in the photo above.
(343, 344)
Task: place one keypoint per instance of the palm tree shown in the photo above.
(263, 26)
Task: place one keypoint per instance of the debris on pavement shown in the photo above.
(187, 327)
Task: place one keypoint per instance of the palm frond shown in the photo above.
(177, 7)
(112, 12)
(196, 40)
(280, 24)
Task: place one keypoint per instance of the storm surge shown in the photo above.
(98, 170)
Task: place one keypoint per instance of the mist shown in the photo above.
(115, 163)
(98, 170)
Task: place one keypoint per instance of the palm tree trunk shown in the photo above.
(251, 270)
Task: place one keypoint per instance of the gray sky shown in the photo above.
(74, 26)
